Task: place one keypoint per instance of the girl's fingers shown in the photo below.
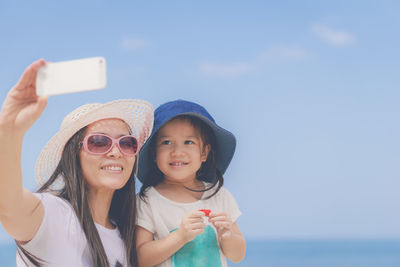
(218, 214)
(194, 215)
(198, 231)
(197, 226)
(197, 214)
(221, 218)
(195, 223)
(226, 225)
(226, 234)
(194, 220)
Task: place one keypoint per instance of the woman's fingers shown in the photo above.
(28, 78)
(40, 106)
(22, 107)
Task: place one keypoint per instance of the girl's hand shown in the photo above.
(192, 225)
(22, 107)
(222, 222)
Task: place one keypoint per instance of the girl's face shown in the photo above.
(180, 151)
(110, 171)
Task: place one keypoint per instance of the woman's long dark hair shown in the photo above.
(208, 171)
(122, 211)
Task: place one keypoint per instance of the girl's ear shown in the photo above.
(204, 154)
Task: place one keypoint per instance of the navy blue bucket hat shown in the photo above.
(225, 140)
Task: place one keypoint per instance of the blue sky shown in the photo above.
(309, 89)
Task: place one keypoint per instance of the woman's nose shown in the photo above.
(114, 152)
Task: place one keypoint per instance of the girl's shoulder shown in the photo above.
(222, 192)
(149, 193)
(223, 200)
(146, 191)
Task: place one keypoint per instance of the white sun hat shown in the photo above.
(138, 114)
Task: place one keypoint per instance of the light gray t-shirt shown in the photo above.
(60, 240)
(162, 216)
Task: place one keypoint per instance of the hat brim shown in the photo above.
(225, 148)
(138, 114)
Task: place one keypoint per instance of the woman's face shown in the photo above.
(110, 171)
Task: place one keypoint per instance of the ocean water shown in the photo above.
(298, 253)
(322, 253)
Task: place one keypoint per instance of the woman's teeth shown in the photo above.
(112, 168)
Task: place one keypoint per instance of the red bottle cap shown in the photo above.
(206, 212)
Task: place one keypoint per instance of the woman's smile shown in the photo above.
(113, 168)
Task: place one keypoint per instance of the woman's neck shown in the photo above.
(99, 204)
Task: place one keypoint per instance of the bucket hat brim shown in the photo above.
(225, 140)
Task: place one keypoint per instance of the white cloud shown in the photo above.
(332, 36)
(130, 44)
(225, 70)
(268, 56)
(289, 53)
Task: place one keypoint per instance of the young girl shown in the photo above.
(185, 216)
(84, 212)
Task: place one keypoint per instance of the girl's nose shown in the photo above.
(177, 150)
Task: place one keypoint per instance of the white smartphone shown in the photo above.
(71, 76)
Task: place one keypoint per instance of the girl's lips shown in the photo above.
(177, 163)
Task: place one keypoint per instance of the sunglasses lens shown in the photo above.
(128, 145)
(98, 143)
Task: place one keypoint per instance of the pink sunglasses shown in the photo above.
(100, 144)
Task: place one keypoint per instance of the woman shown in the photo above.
(84, 212)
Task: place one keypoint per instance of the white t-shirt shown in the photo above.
(162, 216)
(60, 240)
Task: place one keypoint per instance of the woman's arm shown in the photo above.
(20, 211)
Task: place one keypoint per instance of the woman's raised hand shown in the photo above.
(22, 107)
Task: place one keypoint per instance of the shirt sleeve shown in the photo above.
(54, 222)
(144, 214)
(229, 204)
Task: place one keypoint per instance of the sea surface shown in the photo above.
(298, 253)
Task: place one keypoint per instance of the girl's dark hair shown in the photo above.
(208, 171)
(122, 211)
